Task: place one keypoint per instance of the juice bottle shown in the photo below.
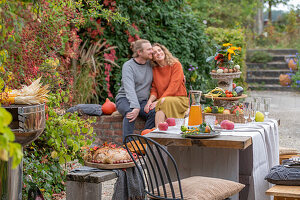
(195, 115)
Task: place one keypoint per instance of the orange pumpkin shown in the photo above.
(285, 80)
(292, 64)
(146, 131)
(108, 107)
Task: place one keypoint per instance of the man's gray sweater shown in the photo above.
(136, 82)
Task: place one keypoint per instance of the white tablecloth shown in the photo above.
(258, 159)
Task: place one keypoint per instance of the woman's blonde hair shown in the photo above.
(169, 58)
(137, 46)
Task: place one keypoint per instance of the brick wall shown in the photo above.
(109, 129)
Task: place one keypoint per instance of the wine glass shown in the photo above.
(246, 111)
(267, 102)
(253, 108)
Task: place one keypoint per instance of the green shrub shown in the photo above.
(171, 23)
(219, 36)
(60, 143)
(259, 57)
(296, 76)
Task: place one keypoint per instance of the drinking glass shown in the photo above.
(267, 102)
(246, 111)
(210, 120)
(253, 109)
(257, 101)
(179, 122)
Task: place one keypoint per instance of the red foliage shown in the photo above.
(41, 38)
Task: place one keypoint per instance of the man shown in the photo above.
(135, 87)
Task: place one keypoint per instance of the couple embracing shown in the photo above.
(152, 87)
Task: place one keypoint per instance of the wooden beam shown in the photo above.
(221, 141)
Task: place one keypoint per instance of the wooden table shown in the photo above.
(222, 141)
(220, 160)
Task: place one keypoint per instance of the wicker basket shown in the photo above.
(231, 117)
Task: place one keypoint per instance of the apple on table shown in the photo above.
(226, 124)
(163, 126)
(171, 121)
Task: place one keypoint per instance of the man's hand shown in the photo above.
(152, 106)
(133, 114)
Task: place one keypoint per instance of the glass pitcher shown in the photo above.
(195, 115)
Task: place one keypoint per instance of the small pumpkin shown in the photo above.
(285, 80)
(146, 131)
(108, 107)
(292, 64)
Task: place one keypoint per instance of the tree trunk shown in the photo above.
(260, 19)
(270, 12)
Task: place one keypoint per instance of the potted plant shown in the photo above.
(224, 59)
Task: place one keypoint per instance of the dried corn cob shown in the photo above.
(32, 94)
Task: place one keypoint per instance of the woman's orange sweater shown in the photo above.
(168, 81)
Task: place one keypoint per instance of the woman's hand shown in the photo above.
(147, 107)
(152, 106)
(133, 114)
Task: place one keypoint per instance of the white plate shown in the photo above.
(204, 135)
(171, 130)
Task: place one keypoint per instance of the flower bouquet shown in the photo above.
(223, 59)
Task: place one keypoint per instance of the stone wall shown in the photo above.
(109, 129)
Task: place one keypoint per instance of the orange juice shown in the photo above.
(195, 116)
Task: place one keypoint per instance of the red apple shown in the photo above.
(226, 124)
(233, 85)
(226, 112)
(171, 121)
(163, 126)
(239, 110)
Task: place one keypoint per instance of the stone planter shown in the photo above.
(225, 80)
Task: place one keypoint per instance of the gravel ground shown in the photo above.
(285, 106)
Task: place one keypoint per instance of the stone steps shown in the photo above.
(275, 73)
(280, 58)
(264, 80)
(274, 87)
(270, 65)
(276, 51)
(265, 76)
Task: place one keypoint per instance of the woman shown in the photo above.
(168, 94)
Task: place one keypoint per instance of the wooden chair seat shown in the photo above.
(204, 188)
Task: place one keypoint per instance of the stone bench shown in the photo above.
(87, 185)
(109, 128)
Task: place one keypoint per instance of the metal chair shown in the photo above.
(154, 161)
